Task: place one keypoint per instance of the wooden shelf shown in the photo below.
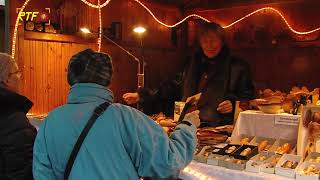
(29, 35)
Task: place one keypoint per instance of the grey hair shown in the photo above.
(6, 64)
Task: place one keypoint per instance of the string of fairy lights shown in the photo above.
(16, 29)
(100, 6)
(100, 25)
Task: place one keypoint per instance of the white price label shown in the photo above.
(286, 120)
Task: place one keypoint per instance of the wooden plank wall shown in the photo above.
(44, 66)
(163, 58)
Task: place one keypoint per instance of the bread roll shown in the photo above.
(246, 152)
(245, 141)
(262, 145)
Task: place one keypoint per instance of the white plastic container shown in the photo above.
(300, 175)
(287, 172)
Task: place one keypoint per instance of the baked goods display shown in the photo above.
(311, 170)
(285, 148)
(212, 135)
(244, 141)
(270, 101)
(246, 152)
(273, 162)
(263, 145)
(289, 164)
(257, 161)
(270, 97)
(231, 149)
(315, 160)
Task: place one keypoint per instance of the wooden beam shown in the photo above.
(29, 35)
(135, 45)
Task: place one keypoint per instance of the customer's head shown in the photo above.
(89, 66)
(9, 72)
(211, 37)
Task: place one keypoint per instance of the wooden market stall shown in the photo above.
(263, 40)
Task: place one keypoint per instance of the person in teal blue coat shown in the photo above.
(123, 143)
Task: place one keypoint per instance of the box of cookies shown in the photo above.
(245, 152)
(238, 164)
(287, 165)
(204, 153)
(229, 149)
(313, 157)
(227, 161)
(253, 165)
(215, 159)
(232, 163)
(268, 166)
(308, 171)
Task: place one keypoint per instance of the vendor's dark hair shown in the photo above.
(205, 27)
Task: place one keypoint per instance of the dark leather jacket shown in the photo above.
(17, 136)
(229, 78)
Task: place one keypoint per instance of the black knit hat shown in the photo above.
(89, 66)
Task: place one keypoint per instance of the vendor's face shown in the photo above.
(211, 44)
(13, 78)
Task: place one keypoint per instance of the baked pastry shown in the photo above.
(246, 152)
(285, 148)
(263, 144)
(311, 170)
(239, 162)
(231, 149)
(316, 160)
(273, 163)
(245, 141)
(262, 158)
(290, 164)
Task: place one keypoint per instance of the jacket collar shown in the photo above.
(89, 92)
(12, 101)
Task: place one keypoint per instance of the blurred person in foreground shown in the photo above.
(17, 135)
(122, 144)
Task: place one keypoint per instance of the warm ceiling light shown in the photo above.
(139, 30)
(85, 30)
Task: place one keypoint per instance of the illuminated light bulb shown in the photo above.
(139, 30)
(85, 30)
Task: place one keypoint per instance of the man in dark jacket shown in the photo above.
(17, 135)
(221, 78)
